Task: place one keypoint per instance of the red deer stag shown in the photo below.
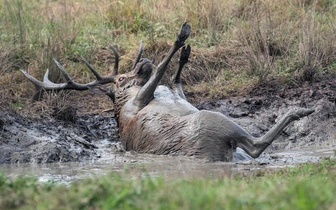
(156, 119)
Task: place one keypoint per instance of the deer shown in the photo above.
(158, 119)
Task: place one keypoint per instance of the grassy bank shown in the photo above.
(308, 186)
(237, 45)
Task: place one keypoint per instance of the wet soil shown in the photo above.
(64, 137)
(68, 135)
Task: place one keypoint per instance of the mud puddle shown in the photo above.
(138, 165)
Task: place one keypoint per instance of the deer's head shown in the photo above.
(138, 76)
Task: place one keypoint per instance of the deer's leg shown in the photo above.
(146, 93)
(176, 79)
(255, 146)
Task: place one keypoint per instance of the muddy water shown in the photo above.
(137, 165)
(133, 165)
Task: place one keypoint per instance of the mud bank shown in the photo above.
(64, 138)
(67, 136)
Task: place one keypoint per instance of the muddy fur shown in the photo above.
(170, 125)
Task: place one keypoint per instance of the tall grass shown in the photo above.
(235, 43)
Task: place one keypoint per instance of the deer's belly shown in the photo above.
(202, 133)
(167, 102)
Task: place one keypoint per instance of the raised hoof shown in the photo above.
(184, 32)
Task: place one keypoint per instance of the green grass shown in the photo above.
(307, 186)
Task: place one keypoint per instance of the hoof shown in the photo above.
(184, 32)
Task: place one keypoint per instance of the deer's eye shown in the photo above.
(121, 79)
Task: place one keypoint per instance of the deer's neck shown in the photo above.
(121, 97)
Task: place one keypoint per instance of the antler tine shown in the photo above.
(94, 71)
(36, 82)
(77, 86)
(65, 74)
(116, 60)
(45, 78)
(46, 84)
(139, 55)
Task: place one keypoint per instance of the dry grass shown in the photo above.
(235, 44)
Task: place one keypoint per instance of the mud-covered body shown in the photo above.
(170, 125)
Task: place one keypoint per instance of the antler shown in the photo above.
(70, 84)
(116, 60)
(139, 55)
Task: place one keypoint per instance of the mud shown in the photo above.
(89, 142)
(65, 137)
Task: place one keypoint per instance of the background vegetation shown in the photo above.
(236, 45)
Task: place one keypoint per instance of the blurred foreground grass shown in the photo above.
(307, 186)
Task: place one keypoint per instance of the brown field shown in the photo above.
(238, 47)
